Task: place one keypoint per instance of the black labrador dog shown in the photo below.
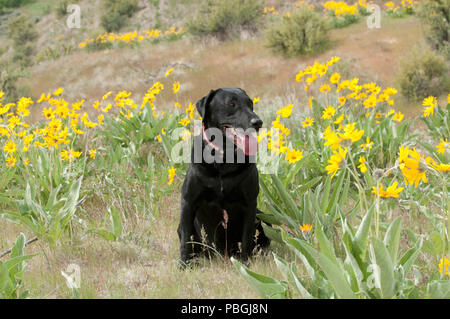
(219, 193)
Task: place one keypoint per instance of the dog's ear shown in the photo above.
(203, 103)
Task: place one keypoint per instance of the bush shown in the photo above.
(23, 33)
(303, 32)
(226, 18)
(436, 13)
(117, 14)
(422, 74)
(12, 3)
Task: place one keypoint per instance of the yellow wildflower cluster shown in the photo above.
(340, 8)
(312, 73)
(404, 5)
(270, 10)
(64, 121)
(130, 37)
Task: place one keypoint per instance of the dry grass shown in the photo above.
(143, 265)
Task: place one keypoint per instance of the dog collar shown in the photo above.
(208, 141)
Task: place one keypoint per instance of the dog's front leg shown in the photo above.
(248, 230)
(186, 231)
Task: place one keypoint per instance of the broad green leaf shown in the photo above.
(385, 274)
(392, 238)
(336, 192)
(362, 234)
(325, 246)
(439, 289)
(116, 223)
(298, 284)
(272, 233)
(265, 286)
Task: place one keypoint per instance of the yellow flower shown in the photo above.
(168, 72)
(310, 104)
(331, 138)
(444, 266)
(293, 156)
(48, 113)
(286, 111)
(171, 175)
(413, 165)
(10, 147)
(11, 161)
(442, 146)
(69, 155)
(368, 144)
(339, 119)
(256, 100)
(176, 87)
(342, 100)
(184, 122)
(308, 122)
(92, 153)
(334, 78)
(58, 91)
(26, 162)
(431, 103)
(325, 88)
(362, 166)
(305, 228)
(159, 138)
(351, 133)
(336, 161)
(328, 112)
(391, 191)
(398, 116)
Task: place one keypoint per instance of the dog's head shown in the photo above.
(231, 111)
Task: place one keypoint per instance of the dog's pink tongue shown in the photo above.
(247, 143)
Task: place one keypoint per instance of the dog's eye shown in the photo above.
(232, 104)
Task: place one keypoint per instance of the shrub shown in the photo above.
(23, 33)
(12, 3)
(117, 14)
(61, 9)
(225, 18)
(436, 14)
(303, 32)
(422, 74)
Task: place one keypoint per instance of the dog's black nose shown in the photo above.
(256, 122)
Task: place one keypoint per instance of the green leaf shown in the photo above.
(325, 246)
(333, 272)
(408, 259)
(385, 274)
(311, 183)
(107, 235)
(439, 289)
(265, 286)
(299, 285)
(272, 233)
(336, 191)
(116, 223)
(326, 194)
(392, 238)
(362, 234)
(292, 209)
